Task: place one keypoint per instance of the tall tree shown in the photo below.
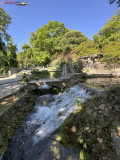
(12, 49)
(110, 32)
(117, 2)
(5, 20)
(47, 40)
(86, 49)
(72, 39)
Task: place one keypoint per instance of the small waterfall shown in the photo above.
(49, 117)
(35, 134)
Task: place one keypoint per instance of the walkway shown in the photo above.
(9, 85)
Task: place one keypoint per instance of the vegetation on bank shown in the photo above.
(88, 129)
(13, 119)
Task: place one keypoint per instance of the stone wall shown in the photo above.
(106, 110)
(100, 68)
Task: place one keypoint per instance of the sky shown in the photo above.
(87, 16)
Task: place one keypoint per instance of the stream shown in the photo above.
(35, 139)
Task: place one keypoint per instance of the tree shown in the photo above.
(86, 49)
(111, 52)
(5, 20)
(72, 39)
(42, 58)
(25, 46)
(47, 40)
(110, 32)
(117, 2)
(111, 55)
(21, 58)
(12, 49)
(26, 57)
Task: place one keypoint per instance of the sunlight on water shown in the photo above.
(46, 119)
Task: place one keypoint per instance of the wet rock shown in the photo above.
(117, 107)
(1, 141)
(101, 120)
(99, 133)
(116, 141)
(102, 107)
(107, 112)
(101, 112)
(110, 98)
(45, 99)
(117, 127)
(114, 112)
(95, 114)
(89, 111)
(116, 100)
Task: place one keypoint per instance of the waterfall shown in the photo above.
(49, 117)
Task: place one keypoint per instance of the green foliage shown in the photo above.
(72, 39)
(111, 53)
(59, 67)
(44, 44)
(5, 20)
(7, 52)
(86, 49)
(26, 79)
(110, 32)
(47, 38)
(78, 66)
(117, 2)
(24, 75)
(11, 53)
(41, 74)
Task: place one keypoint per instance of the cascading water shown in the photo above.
(49, 113)
(51, 117)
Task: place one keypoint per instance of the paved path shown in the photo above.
(9, 85)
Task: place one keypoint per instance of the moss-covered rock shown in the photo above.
(88, 129)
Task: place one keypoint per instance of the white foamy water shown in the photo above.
(45, 86)
(47, 119)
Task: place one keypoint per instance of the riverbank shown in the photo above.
(93, 130)
(13, 118)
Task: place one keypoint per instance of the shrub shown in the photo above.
(26, 79)
(41, 74)
(35, 71)
(58, 72)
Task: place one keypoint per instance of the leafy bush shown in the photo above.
(3, 70)
(78, 66)
(58, 72)
(35, 71)
(26, 79)
(41, 74)
(24, 75)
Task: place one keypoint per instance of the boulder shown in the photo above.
(102, 107)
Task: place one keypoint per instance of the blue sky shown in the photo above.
(87, 16)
